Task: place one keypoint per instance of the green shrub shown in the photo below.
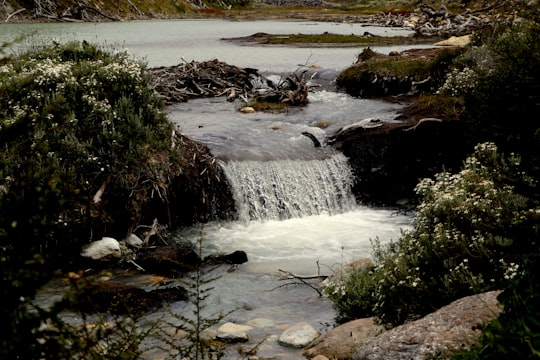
(471, 231)
(73, 120)
(504, 105)
(516, 333)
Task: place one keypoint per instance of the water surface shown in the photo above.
(167, 42)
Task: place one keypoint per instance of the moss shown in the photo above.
(377, 74)
(447, 108)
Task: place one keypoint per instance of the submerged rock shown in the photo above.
(231, 332)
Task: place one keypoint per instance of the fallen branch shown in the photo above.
(101, 190)
(137, 266)
(303, 279)
(14, 13)
(421, 121)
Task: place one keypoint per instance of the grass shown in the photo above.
(327, 39)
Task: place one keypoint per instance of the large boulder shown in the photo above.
(341, 342)
(453, 327)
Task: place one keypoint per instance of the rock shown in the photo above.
(100, 249)
(455, 41)
(320, 357)
(298, 335)
(134, 241)
(247, 110)
(455, 326)
(341, 342)
(231, 332)
(236, 257)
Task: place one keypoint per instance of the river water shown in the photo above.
(296, 211)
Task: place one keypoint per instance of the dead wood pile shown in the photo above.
(428, 21)
(215, 78)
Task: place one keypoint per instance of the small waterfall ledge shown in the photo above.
(284, 189)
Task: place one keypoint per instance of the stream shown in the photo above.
(296, 210)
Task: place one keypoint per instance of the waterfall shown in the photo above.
(283, 189)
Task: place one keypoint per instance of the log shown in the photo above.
(14, 13)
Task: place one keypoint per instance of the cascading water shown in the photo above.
(284, 189)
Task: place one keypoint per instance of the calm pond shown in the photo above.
(296, 209)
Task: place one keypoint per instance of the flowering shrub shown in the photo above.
(470, 234)
(73, 120)
(76, 113)
(459, 82)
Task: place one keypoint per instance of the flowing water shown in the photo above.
(296, 210)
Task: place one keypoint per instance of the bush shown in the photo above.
(470, 233)
(504, 105)
(516, 333)
(73, 120)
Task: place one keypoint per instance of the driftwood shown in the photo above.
(14, 13)
(49, 9)
(214, 78)
(430, 22)
(302, 279)
(422, 121)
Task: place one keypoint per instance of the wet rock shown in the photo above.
(247, 110)
(455, 326)
(236, 257)
(231, 332)
(298, 335)
(106, 247)
(341, 342)
(134, 241)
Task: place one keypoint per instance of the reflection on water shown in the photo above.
(165, 43)
(232, 135)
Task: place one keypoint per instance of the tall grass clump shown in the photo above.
(84, 143)
(472, 232)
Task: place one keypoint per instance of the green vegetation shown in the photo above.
(471, 232)
(328, 39)
(476, 230)
(371, 67)
(73, 120)
(190, 339)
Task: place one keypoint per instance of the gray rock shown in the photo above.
(455, 326)
(298, 335)
(231, 332)
(341, 342)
